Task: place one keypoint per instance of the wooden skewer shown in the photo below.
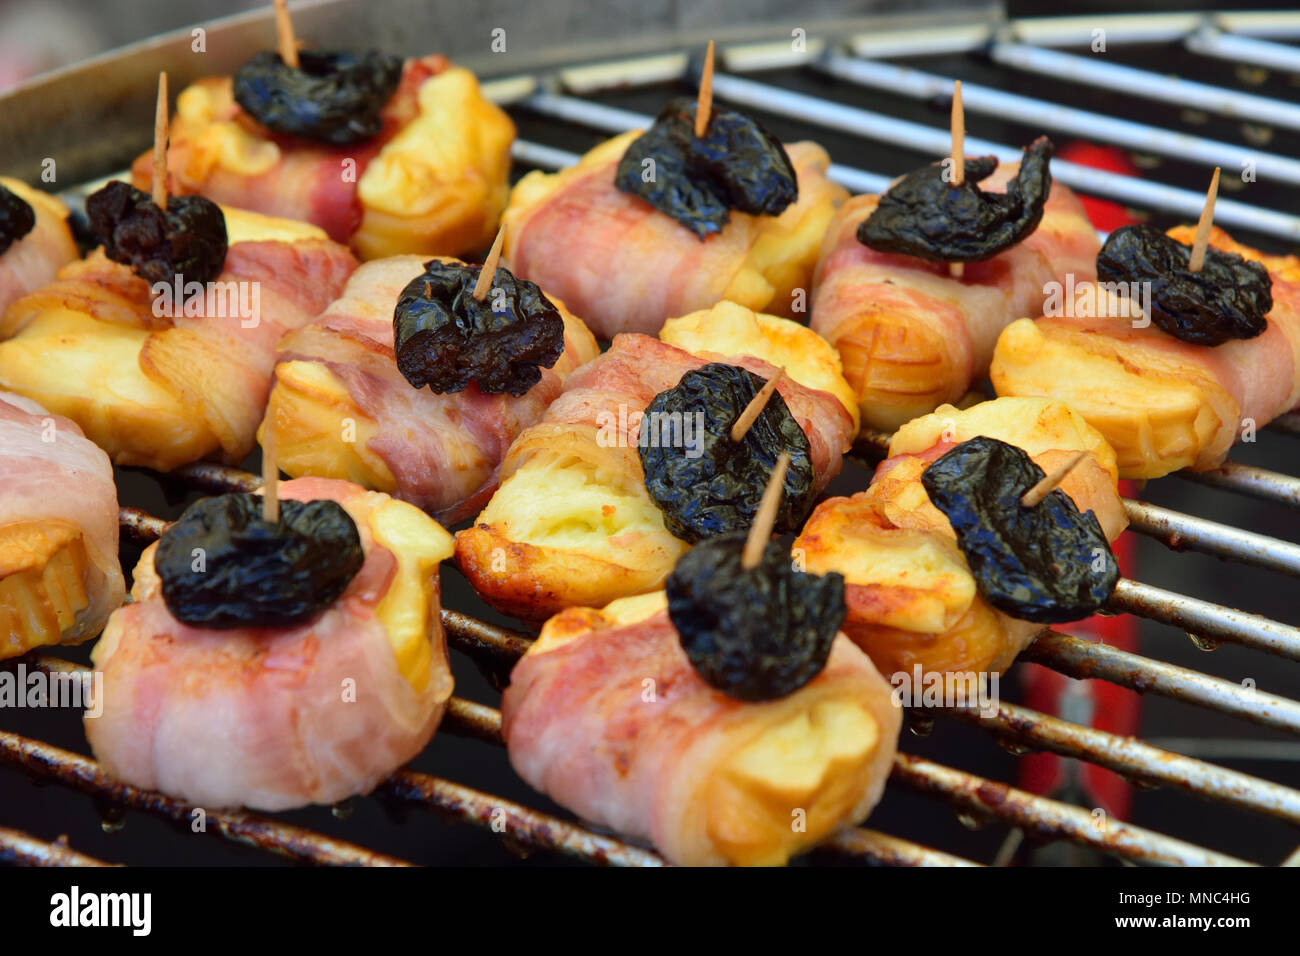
(159, 190)
(284, 37)
(489, 270)
(1202, 241)
(761, 530)
(1041, 490)
(756, 406)
(958, 126)
(705, 104)
(270, 478)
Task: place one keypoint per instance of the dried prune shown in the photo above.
(188, 239)
(223, 566)
(1227, 299)
(17, 218)
(445, 338)
(706, 484)
(698, 180)
(925, 216)
(1045, 563)
(332, 97)
(753, 634)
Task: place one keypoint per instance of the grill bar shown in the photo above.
(1209, 41)
(1248, 480)
(1096, 71)
(1179, 531)
(16, 847)
(888, 850)
(80, 773)
(1049, 819)
(1135, 760)
(1055, 116)
(1206, 620)
(1083, 659)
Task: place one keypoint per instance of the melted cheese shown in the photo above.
(220, 142)
(43, 569)
(731, 329)
(89, 371)
(40, 202)
(245, 226)
(812, 761)
(409, 608)
(308, 411)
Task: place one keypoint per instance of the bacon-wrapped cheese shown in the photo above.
(59, 571)
(913, 337)
(1162, 403)
(275, 718)
(341, 409)
(911, 596)
(626, 267)
(158, 389)
(432, 182)
(606, 715)
(572, 522)
(33, 260)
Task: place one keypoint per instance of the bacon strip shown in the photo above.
(444, 451)
(610, 720)
(50, 474)
(911, 336)
(626, 267)
(1163, 403)
(262, 717)
(33, 260)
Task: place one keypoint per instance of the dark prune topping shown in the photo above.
(706, 484)
(17, 218)
(697, 180)
(1045, 563)
(445, 338)
(924, 216)
(753, 634)
(333, 97)
(1227, 299)
(223, 566)
(189, 239)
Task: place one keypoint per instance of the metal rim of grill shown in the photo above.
(1028, 46)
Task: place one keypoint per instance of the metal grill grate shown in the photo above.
(563, 97)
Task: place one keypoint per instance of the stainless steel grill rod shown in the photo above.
(25, 850)
(1098, 71)
(1083, 659)
(1206, 620)
(1050, 818)
(937, 142)
(1180, 531)
(1209, 41)
(1259, 483)
(1135, 759)
(1056, 116)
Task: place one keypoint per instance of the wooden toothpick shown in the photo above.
(705, 105)
(284, 37)
(756, 406)
(761, 530)
(958, 127)
(489, 270)
(1202, 241)
(160, 145)
(1041, 490)
(270, 478)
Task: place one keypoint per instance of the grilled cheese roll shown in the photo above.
(277, 718)
(157, 389)
(341, 409)
(59, 571)
(626, 267)
(912, 599)
(1162, 403)
(432, 182)
(32, 261)
(572, 522)
(912, 336)
(606, 715)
